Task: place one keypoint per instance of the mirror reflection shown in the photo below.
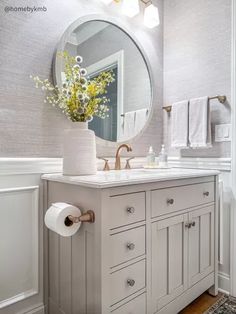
(103, 47)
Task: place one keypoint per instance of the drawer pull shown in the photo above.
(170, 201)
(131, 246)
(130, 210)
(206, 193)
(131, 282)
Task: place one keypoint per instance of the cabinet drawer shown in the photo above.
(127, 209)
(127, 245)
(127, 281)
(164, 201)
(135, 306)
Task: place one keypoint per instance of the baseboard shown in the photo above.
(224, 283)
(38, 310)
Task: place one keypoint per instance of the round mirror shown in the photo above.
(106, 47)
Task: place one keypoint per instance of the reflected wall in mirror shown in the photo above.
(105, 46)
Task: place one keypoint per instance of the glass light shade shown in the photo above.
(130, 7)
(106, 1)
(151, 16)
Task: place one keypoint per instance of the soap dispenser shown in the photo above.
(151, 157)
(163, 158)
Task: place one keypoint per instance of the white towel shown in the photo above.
(199, 123)
(140, 120)
(128, 125)
(179, 129)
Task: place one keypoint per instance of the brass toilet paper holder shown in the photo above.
(88, 216)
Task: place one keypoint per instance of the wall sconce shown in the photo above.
(131, 8)
(151, 16)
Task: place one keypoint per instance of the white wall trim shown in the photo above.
(233, 149)
(104, 64)
(39, 310)
(35, 249)
(224, 282)
(222, 164)
(10, 166)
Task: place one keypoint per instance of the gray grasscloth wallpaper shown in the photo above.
(30, 128)
(197, 36)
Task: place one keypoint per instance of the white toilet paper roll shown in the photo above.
(55, 219)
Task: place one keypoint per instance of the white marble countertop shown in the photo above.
(116, 178)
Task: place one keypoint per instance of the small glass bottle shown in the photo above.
(151, 157)
(163, 157)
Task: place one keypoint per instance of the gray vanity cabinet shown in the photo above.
(201, 244)
(169, 260)
(152, 248)
(182, 254)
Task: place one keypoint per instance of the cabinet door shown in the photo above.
(201, 244)
(169, 260)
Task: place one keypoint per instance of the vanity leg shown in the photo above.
(213, 290)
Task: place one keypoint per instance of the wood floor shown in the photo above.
(201, 304)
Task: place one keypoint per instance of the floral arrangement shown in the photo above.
(80, 98)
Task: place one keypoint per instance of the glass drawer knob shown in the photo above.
(131, 246)
(130, 210)
(131, 282)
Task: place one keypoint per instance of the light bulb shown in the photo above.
(106, 1)
(151, 16)
(130, 7)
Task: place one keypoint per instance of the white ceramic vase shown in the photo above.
(79, 150)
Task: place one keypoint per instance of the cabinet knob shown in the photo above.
(130, 210)
(193, 224)
(188, 225)
(170, 201)
(131, 246)
(131, 282)
(206, 193)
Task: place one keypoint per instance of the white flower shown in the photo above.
(89, 118)
(83, 80)
(86, 99)
(76, 67)
(80, 110)
(83, 72)
(78, 59)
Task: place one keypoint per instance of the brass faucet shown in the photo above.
(118, 164)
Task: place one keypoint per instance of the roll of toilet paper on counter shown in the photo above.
(55, 219)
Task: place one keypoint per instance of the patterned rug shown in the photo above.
(225, 305)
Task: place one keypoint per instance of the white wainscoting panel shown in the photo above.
(21, 240)
(19, 236)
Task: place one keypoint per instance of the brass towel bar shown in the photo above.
(221, 99)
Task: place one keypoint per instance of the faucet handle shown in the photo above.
(106, 165)
(127, 166)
